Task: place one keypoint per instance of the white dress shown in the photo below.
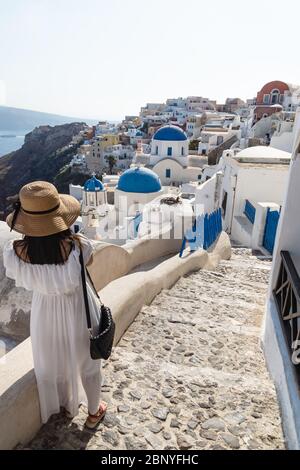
(65, 373)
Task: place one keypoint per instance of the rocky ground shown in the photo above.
(189, 373)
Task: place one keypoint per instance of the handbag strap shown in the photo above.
(85, 296)
(93, 286)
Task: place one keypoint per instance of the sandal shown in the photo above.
(93, 420)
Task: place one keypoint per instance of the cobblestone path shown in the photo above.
(189, 373)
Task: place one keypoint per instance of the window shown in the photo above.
(266, 99)
(224, 203)
(182, 151)
(168, 173)
(275, 96)
(199, 177)
(170, 151)
(203, 151)
(156, 150)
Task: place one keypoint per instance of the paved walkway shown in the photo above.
(189, 372)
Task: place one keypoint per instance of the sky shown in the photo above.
(104, 59)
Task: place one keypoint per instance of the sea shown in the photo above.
(11, 140)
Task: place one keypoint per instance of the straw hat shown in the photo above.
(42, 211)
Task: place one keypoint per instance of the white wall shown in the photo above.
(209, 171)
(75, 191)
(260, 184)
(262, 127)
(129, 203)
(205, 196)
(154, 159)
(192, 173)
(190, 188)
(283, 137)
(175, 168)
(163, 146)
(257, 184)
(296, 129)
(278, 355)
(178, 175)
(164, 221)
(284, 141)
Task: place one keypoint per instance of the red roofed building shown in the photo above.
(271, 98)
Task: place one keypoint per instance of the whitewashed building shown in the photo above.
(217, 131)
(253, 181)
(248, 185)
(199, 104)
(194, 124)
(281, 333)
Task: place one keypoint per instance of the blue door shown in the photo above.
(270, 230)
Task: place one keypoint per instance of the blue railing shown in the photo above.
(212, 228)
(250, 211)
(204, 233)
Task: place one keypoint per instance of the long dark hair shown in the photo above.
(50, 249)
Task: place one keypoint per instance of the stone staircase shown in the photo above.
(189, 373)
(215, 154)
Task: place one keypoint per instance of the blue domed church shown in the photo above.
(136, 187)
(94, 205)
(94, 194)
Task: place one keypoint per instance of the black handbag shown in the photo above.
(101, 344)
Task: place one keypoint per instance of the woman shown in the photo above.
(46, 261)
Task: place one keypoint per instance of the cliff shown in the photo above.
(43, 156)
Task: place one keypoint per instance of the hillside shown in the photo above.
(14, 119)
(44, 154)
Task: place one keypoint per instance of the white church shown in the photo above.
(136, 190)
(170, 159)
